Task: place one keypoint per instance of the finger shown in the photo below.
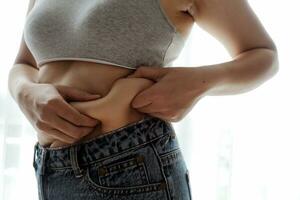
(70, 93)
(68, 112)
(164, 116)
(159, 115)
(147, 96)
(69, 129)
(46, 130)
(154, 73)
(146, 109)
(140, 102)
(151, 108)
(143, 98)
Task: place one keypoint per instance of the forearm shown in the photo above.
(244, 73)
(20, 76)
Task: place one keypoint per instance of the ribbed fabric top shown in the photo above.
(125, 33)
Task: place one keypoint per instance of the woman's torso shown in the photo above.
(98, 78)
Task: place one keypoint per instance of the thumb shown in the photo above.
(153, 73)
(71, 93)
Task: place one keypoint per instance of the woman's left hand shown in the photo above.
(175, 91)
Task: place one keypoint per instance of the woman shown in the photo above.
(92, 77)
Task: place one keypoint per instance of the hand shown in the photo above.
(175, 92)
(46, 107)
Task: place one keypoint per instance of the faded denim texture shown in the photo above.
(139, 161)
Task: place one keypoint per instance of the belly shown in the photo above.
(113, 109)
(92, 77)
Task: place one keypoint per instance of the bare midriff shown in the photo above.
(113, 109)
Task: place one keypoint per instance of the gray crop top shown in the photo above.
(125, 33)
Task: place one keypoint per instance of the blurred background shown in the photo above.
(243, 146)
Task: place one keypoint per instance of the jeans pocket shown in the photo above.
(129, 171)
(123, 174)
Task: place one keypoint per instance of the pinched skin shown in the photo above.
(113, 110)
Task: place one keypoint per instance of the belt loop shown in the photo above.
(172, 130)
(43, 163)
(74, 162)
(34, 155)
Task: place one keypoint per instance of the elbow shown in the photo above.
(272, 60)
(274, 67)
(269, 62)
(274, 50)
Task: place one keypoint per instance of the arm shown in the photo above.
(24, 71)
(44, 104)
(21, 76)
(178, 89)
(254, 54)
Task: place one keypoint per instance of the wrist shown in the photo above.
(23, 90)
(215, 77)
(21, 76)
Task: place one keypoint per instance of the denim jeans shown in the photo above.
(139, 161)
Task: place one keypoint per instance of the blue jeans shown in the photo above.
(139, 161)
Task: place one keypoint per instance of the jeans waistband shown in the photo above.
(81, 154)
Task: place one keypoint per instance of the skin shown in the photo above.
(57, 96)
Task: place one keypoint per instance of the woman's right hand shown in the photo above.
(46, 107)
